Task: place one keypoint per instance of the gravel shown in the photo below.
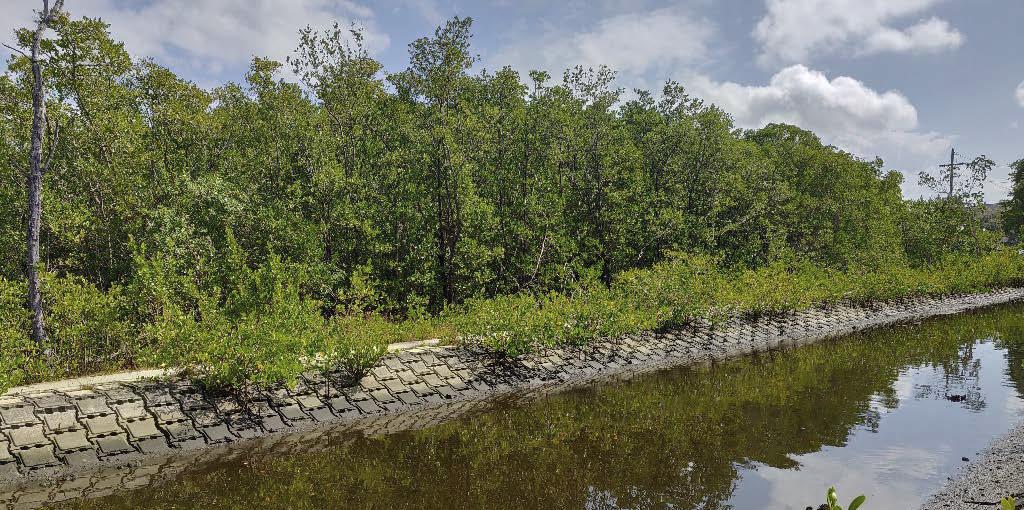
(996, 473)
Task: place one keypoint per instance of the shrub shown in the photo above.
(686, 288)
(353, 344)
(505, 324)
(257, 336)
(17, 352)
(86, 332)
(86, 327)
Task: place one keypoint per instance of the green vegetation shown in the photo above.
(244, 232)
(1013, 207)
(832, 501)
(682, 289)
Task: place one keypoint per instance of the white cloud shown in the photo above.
(843, 111)
(796, 30)
(1020, 93)
(661, 40)
(932, 34)
(208, 37)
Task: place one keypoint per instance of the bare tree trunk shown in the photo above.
(35, 174)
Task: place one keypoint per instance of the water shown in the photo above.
(889, 414)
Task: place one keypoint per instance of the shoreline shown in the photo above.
(997, 472)
(80, 432)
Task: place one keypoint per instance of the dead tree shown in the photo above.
(37, 167)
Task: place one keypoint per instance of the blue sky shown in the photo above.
(900, 79)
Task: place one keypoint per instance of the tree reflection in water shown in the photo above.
(676, 439)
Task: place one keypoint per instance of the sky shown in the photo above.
(903, 80)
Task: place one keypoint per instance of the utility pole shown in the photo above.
(952, 167)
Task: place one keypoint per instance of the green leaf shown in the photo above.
(857, 502)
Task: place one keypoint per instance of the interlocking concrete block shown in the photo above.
(394, 393)
(261, 408)
(49, 401)
(322, 414)
(61, 420)
(394, 385)
(433, 380)
(37, 457)
(157, 396)
(272, 423)
(243, 425)
(447, 392)
(118, 393)
(218, 434)
(370, 383)
(192, 400)
(205, 417)
(153, 446)
(101, 425)
(93, 406)
(30, 435)
(113, 444)
(141, 429)
(383, 373)
(168, 414)
(444, 372)
(226, 405)
(180, 430)
(81, 458)
(421, 389)
(407, 377)
(292, 412)
(341, 406)
(382, 396)
(368, 407)
(309, 401)
(419, 368)
(17, 415)
(456, 384)
(131, 410)
(69, 441)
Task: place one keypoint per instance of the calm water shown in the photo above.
(889, 414)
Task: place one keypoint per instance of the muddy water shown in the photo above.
(889, 414)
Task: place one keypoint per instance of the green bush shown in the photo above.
(351, 344)
(262, 328)
(17, 352)
(687, 288)
(254, 333)
(85, 331)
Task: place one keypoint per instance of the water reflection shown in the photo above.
(889, 414)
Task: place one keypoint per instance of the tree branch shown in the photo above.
(12, 48)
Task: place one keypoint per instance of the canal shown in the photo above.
(889, 414)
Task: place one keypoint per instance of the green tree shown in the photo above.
(1013, 207)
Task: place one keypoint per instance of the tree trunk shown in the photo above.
(35, 176)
